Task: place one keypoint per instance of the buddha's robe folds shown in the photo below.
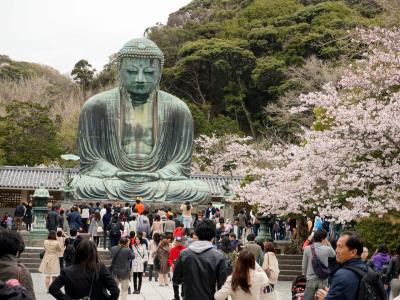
(101, 153)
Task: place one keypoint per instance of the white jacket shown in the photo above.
(141, 257)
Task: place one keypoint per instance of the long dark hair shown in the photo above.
(241, 272)
(226, 245)
(86, 256)
(157, 238)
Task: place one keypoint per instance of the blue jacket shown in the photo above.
(74, 220)
(344, 282)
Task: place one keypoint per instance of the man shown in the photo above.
(74, 218)
(19, 215)
(252, 247)
(210, 211)
(200, 268)
(114, 228)
(144, 227)
(169, 226)
(241, 223)
(323, 251)
(234, 241)
(173, 256)
(139, 206)
(344, 282)
(11, 246)
(52, 219)
(121, 256)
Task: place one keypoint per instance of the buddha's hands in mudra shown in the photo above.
(137, 176)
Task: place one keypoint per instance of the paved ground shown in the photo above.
(150, 290)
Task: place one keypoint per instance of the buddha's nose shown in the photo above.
(141, 77)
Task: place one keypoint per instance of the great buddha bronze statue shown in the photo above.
(135, 140)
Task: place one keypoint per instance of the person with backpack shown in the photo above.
(315, 264)
(114, 228)
(352, 273)
(229, 254)
(70, 244)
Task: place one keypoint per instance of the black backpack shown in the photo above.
(228, 264)
(320, 269)
(69, 252)
(115, 230)
(370, 286)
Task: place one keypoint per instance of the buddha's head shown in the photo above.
(140, 65)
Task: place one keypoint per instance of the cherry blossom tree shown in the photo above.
(226, 155)
(349, 163)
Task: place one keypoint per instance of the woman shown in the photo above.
(271, 268)
(229, 254)
(187, 216)
(157, 226)
(162, 255)
(50, 264)
(96, 227)
(153, 245)
(380, 258)
(246, 281)
(87, 277)
(132, 224)
(28, 217)
(141, 257)
(61, 241)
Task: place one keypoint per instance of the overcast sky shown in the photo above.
(58, 33)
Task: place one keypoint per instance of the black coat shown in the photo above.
(77, 283)
(200, 273)
(52, 220)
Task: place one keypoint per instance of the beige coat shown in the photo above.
(50, 263)
(258, 279)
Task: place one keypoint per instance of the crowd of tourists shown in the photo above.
(204, 257)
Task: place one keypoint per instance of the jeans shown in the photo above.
(312, 287)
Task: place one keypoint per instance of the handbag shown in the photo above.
(99, 229)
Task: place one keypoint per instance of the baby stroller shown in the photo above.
(298, 287)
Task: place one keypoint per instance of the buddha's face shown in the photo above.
(140, 76)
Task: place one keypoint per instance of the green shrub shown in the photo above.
(375, 231)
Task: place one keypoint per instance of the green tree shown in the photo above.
(28, 135)
(83, 74)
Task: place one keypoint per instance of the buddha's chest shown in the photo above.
(137, 129)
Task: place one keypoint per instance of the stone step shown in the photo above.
(289, 272)
(287, 277)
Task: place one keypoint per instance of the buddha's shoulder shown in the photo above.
(102, 98)
(172, 100)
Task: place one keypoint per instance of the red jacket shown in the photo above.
(179, 231)
(174, 254)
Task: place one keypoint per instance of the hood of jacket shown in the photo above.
(200, 246)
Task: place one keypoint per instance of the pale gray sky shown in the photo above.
(58, 33)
